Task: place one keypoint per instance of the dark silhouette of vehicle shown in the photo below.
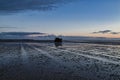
(58, 42)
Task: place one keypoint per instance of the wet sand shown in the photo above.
(72, 61)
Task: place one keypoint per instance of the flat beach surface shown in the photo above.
(71, 61)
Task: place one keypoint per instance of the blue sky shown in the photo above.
(76, 18)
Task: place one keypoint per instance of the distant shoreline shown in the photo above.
(24, 40)
(113, 42)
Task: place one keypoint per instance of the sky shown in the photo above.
(97, 18)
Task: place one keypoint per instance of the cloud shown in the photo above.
(106, 32)
(21, 33)
(11, 6)
(103, 32)
(115, 33)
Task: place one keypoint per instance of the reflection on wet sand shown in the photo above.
(57, 44)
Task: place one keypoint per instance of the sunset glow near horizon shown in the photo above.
(76, 18)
